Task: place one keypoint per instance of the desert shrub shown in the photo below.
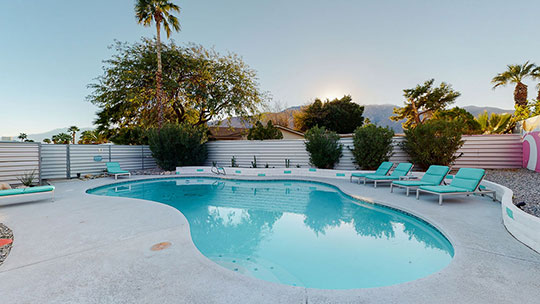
(27, 178)
(434, 142)
(323, 147)
(372, 146)
(178, 145)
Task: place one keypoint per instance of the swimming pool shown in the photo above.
(297, 232)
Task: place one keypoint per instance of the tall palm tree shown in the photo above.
(73, 130)
(515, 73)
(158, 11)
(536, 76)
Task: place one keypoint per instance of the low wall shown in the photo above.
(266, 172)
(522, 225)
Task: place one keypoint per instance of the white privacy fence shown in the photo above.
(66, 161)
(482, 151)
(17, 159)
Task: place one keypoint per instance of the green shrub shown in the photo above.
(323, 147)
(372, 146)
(178, 145)
(434, 142)
(260, 132)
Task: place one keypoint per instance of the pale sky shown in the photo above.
(302, 49)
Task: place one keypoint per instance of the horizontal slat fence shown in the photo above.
(17, 159)
(61, 161)
(482, 151)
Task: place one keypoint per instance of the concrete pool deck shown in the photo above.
(93, 249)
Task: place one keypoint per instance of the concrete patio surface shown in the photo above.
(83, 248)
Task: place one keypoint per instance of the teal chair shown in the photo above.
(401, 171)
(433, 177)
(113, 168)
(466, 181)
(383, 169)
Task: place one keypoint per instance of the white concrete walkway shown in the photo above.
(94, 249)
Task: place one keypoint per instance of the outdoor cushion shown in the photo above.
(412, 183)
(26, 190)
(435, 174)
(382, 177)
(114, 168)
(402, 169)
(468, 178)
(383, 169)
(443, 189)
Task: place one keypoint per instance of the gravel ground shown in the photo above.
(525, 184)
(5, 233)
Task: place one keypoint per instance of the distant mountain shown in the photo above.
(377, 114)
(40, 136)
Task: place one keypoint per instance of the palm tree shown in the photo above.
(494, 123)
(536, 75)
(515, 73)
(73, 130)
(22, 136)
(158, 11)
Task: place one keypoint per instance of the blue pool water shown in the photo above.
(298, 233)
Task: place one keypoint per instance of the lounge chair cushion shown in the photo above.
(435, 174)
(468, 178)
(382, 177)
(362, 174)
(26, 190)
(401, 170)
(413, 183)
(383, 169)
(443, 189)
(114, 168)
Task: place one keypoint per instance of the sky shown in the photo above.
(302, 49)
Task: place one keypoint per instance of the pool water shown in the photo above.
(298, 233)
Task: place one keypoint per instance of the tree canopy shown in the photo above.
(260, 132)
(199, 85)
(338, 115)
(422, 101)
(468, 122)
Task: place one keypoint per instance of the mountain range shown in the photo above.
(377, 114)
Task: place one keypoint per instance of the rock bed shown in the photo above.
(5, 233)
(155, 171)
(525, 184)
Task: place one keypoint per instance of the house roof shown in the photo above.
(227, 133)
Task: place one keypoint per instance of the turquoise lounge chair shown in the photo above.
(466, 181)
(433, 177)
(28, 194)
(383, 169)
(113, 168)
(399, 172)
